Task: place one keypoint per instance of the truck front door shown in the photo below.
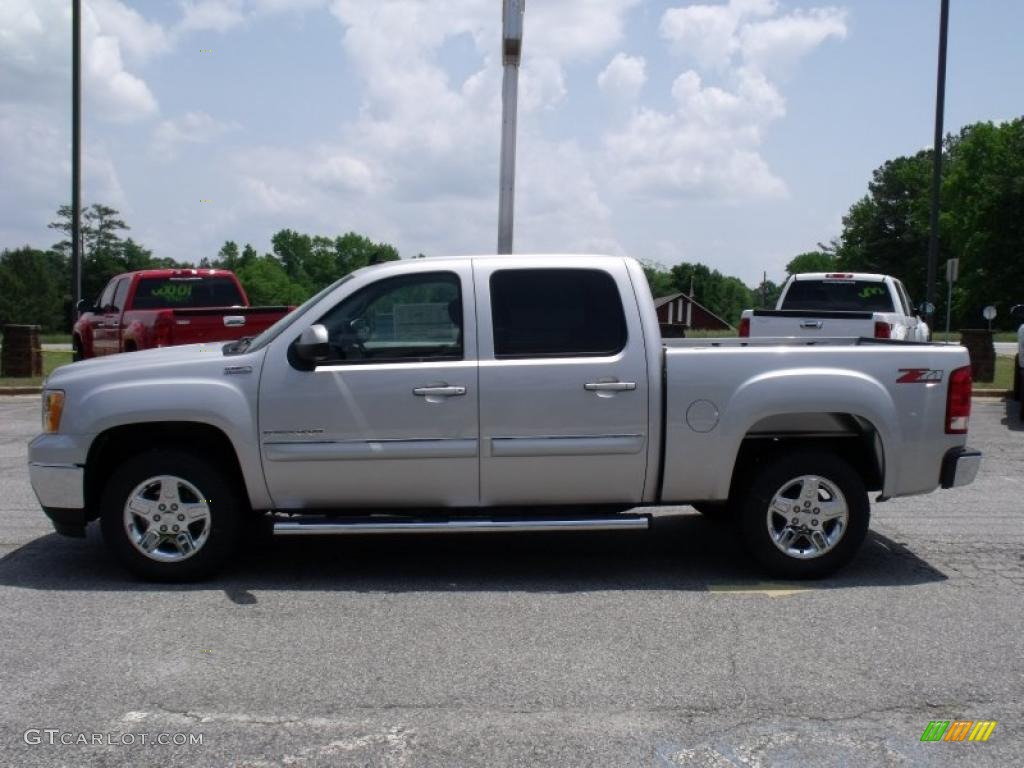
(563, 384)
(391, 417)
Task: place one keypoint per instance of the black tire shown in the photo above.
(773, 478)
(76, 350)
(223, 503)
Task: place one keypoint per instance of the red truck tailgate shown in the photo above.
(201, 324)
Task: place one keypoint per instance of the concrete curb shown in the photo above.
(997, 393)
(20, 391)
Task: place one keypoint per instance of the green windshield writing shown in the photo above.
(174, 292)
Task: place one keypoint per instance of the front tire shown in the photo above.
(170, 516)
(804, 515)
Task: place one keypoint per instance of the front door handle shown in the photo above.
(610, 386)
(441, 391)
(815, 324)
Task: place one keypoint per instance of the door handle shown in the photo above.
(441, 391)
(811, 324)
(610, 386)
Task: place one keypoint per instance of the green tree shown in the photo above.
(660, 280)
(983, 196)
(811, 261)
(33, 288)
(726, 296)
(267, 282)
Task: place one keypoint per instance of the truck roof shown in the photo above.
(864, 276)
(178, 272)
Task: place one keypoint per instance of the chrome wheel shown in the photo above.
(807, 517)
(167, 519)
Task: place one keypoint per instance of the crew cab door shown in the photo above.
(390, 417)
(563, 384)
(106, 322)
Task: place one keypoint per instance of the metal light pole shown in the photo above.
(940, 103)
(76, 156)
(511, 46)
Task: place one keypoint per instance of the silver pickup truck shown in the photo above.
(511, 393)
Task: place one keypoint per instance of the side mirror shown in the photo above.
(83, 306)
(311, 347)
(926, 309)
(1017, 311)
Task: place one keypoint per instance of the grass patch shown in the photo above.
(54, 338)
(51, 359)
(955, 336)
(1003, 375)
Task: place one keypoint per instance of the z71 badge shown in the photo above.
(919, 376)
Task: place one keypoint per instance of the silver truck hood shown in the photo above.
(148, 363)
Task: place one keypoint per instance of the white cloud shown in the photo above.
(137, 37)
(774, 46)
(214, 15)
(624, 76)
(709, 144)
(191, 128)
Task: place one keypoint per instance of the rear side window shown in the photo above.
(838, 295)
(556, 313)
(183, 292)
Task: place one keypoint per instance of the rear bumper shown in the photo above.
(959, 467)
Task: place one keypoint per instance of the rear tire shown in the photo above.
(804, 515)
(168, 515)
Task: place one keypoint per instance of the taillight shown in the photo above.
(162, 328)
(882, 330)
(958, 401)
(744, 326)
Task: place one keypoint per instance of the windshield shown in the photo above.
(185, 292)
(838, 295)
(282, 325)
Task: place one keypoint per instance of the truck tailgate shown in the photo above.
(811, 323)
(202, 324)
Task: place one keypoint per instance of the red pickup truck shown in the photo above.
(168, 307)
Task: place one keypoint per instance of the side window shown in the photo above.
(398, 320)
(107, 297)
(556, 313)
(121, 293)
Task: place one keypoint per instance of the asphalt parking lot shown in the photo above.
(659, 648)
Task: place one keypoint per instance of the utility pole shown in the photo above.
(511, 47)
(940, 103)
(76, 156)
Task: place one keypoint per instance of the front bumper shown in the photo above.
(60, 489)
(960, 467)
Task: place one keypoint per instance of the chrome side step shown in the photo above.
(366, 526)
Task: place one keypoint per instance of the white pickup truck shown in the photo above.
(494, 393)
(838, 304)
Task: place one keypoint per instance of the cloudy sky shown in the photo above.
(734, 133)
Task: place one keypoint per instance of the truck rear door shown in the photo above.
(563, 383)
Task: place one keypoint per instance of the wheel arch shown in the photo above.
(853, 438)
(115, 444)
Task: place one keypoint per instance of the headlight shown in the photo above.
(53, 407)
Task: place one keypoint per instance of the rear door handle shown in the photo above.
(610, 386)
(811, 324)
(442, 391)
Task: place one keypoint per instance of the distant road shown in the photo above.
(1008, 348)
